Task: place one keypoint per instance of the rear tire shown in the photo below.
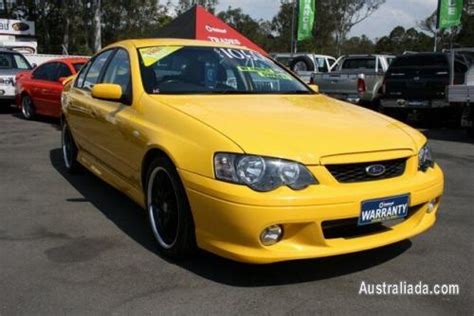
(302, 63)
(169, 212)
(27, 107)
(69, 150)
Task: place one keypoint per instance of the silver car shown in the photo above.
(11, 63)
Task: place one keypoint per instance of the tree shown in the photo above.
(347, 14)
(281, 26)
(258, 31)
(96, 35)
(209, 5)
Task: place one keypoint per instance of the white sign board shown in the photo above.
(17, 27)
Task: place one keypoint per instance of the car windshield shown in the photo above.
(78, 66)
(213, 70)
(13, 61)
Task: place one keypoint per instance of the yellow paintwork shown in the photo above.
(107, 91)
(114, 138)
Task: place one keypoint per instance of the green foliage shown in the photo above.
(184, 5)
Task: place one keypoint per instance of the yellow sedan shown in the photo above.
(231, 153)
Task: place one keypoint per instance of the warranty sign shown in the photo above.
(379, 210)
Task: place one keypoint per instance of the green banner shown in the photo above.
(449, 13)
(306, 10)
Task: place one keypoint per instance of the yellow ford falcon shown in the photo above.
(229, 152)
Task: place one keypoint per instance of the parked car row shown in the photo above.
(35, 90)
(405, 86)
(305, 64)
(418, 82)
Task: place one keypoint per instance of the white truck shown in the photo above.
(354, 78)
(463, 94)
(305, 64)
(29, 49)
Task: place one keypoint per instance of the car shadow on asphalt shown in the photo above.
(13, 112)
(132, 220)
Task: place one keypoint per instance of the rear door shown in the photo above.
(52, 91)
(417, 77)
(82, 116)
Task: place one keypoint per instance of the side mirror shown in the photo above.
(107, 91)
(314, 87)
(33, 65)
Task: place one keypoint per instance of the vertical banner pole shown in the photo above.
(293, 25)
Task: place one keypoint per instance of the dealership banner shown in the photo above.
(17, 27)
(449, 13)
(306, 10)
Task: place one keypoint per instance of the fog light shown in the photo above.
(431, 206)
(271, 235)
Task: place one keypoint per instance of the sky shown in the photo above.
(393, 13)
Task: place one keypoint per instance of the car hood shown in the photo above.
(303, 128)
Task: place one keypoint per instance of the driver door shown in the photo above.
(115, 120)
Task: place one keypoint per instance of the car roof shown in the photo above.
(71, 60)
(139, 43)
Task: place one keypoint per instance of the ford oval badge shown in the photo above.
(375, 170)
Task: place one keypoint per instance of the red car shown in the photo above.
(38, 92)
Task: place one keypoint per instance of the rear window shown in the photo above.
(438, 61)
(359, 63)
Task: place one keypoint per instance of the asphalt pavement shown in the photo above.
(74, 245)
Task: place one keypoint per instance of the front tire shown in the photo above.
(69, 150)
(27, 107)
(168, 210)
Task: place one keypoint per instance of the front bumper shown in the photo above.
(229, 218)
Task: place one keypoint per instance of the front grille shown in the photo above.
(349, 228)
(356, 172)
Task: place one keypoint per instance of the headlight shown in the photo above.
(425, 158)
(261, 173)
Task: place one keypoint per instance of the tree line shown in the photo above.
(84, 26)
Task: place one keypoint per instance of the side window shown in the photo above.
(321, 64)
(82, 74)
(118, 71)
(94, 71)
(45, 72)
(62, 70)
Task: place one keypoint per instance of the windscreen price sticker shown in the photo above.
(240, 54)
(265, 72)
(151, 55)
